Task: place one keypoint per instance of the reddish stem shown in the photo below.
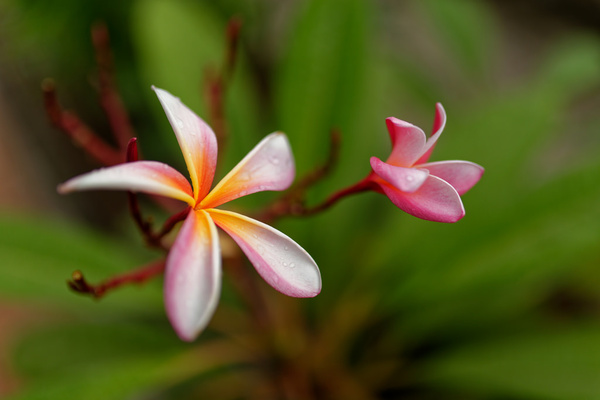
(110, 98)
(79, 284)
(172, 221)
(362, 186)
(234, 26)
(216, 84)
(145, 225)
(81, 134)
(292, 203)
(132, 153)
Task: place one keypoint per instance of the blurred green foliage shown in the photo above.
(504, 304)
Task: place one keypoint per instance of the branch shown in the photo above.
(80, 285)
(110, 98)
(216, 84)
(80, 133)
(292, 202)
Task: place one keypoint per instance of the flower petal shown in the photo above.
(462, 175)
(278, 259)
(405, 179)
(193, 276)
(435, 201)
(408, 142)
(139, 176)
(197, 141)
(269, 166)
(439, 123)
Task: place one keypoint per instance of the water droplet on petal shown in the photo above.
(292, 265)
(274, 160)
(410, 178)
(285, 248)
(179, 123)
(245, 176)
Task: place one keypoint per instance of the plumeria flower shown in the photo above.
(193, 266)
(428, 190)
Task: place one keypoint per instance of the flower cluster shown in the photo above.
(428, 190)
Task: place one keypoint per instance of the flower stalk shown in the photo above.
(79, 284)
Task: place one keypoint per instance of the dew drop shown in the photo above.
(179, 123)
(410, 178)
(285, 248)
(274, 160)
(292, 265)
(284, 264)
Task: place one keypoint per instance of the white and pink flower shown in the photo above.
(193, 267)
(427, 190)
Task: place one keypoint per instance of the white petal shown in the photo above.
(197, 141)
(278, 259)
(269, 166)
(150, 177)
(193, 276)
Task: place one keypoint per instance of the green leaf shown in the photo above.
(117, 359)
(322, 79)
(70, 349)
(466, 27)
(563, 364)
(38, 256)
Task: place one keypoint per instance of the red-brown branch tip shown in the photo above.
(132, 150)
(69, 123)
(234, 26)
(110, 98)
(79, 284)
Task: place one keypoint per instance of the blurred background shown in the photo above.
(504, 304)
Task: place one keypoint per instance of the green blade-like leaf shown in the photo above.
(38, 256)
(559, 365)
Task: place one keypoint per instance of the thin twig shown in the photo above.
(80, 133)
(79, 284)
(292, 202)
(232, 32)
(335, 141)
(217, 83)
(361, 186)
(110, 98)
(145, 225)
